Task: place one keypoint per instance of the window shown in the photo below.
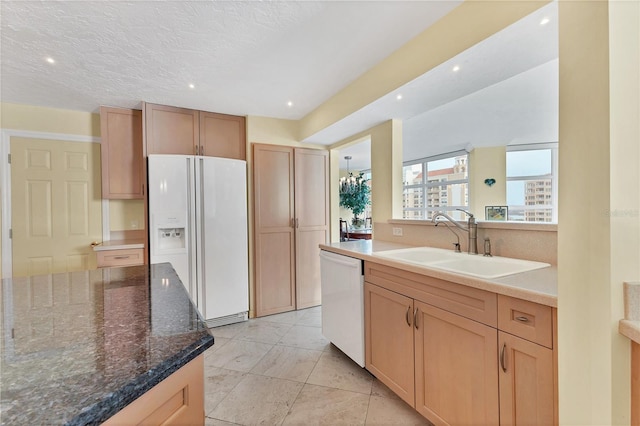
(532, 183)
(436, 184)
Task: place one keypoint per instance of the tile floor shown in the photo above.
(280, 370)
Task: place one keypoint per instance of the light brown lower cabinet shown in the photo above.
(389, 340)
(442, 364)
(456, 368)
(460, 355)
(177, 400)
(526, 382)
(124, 257)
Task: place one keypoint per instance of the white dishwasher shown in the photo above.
(342, 283)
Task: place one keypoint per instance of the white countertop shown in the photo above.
(119, 245)
(630, 325)
(630, 329)
(539, 286)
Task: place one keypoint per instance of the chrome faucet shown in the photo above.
(456, 245)
(471, 229)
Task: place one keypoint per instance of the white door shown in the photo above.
(56, 206)
(222, 245)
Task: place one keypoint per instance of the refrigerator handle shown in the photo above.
(202, 249)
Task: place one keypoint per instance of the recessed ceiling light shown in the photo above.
(399, 96)
(456, 68)
(289, 104)
(50, 60)
(192, 86)
(544, 21)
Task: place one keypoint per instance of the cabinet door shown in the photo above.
(274, 231)
(456, 368)
(123, 174)
(171, 130)
(526, 382)
(312, 222)
(388, 322)
(222, 135)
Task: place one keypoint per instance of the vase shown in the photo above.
(357, 223)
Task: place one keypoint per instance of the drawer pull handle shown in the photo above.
(502, 351)
(407, 317)
(522, 319)
(415, 318)
(121, 257)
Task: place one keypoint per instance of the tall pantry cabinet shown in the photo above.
(291, 214)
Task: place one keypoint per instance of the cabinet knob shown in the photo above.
(407, 317)
(522, 319)
(415, 318)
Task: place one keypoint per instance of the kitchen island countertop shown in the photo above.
(78, 347)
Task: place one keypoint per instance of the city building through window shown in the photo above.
(436, 184)
(532, 184)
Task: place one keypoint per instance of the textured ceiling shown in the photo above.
(251, 58)
(244, 57)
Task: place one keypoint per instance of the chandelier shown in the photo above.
(351, 184)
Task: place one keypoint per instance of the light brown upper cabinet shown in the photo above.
(291, 213)
(123, 171)
(222, 135)
(172, 130)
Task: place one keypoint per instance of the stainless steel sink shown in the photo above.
(462, 263)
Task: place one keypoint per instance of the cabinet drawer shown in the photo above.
(128, 257)
(472, 303)
(531, 321)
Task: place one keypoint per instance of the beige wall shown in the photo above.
(531, 242)
(386, 173)
(487, 163)
(126, 215)
(597, 247)
(41, 119)
(624, 80)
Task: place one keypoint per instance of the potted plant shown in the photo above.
(355, 196)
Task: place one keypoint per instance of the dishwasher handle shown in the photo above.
(336, 259)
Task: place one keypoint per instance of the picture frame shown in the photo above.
(496, 213)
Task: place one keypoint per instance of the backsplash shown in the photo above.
(530, 242)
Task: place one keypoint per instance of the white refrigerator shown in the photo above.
(198, 223)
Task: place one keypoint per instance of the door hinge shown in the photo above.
(10, 233)
(9, 158)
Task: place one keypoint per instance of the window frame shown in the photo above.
(424, 186)
(553, 176)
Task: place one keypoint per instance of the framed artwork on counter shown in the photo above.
(498, 213)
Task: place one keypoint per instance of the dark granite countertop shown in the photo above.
(78, 347)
